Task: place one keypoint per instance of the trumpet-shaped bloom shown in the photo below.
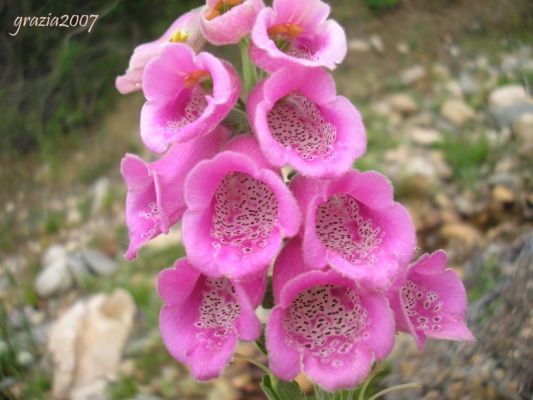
(430, 301)
(203, 317)
(228, 21)
(188, 96)
(299, 120)
(324, 324)
(353, 225)
(238, 211)
(186, 29)
(297, 32)
(155, 199)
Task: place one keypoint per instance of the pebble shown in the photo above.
(508, 95)
(523, 130)
(377, 44)
(53, 278)
(359, 45)
(424, 136)
(98, 262)
(403, 103)
(457, 112)
(412, 74)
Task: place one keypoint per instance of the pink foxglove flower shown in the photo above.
(202, 318)
(430, 301)
(228, 21)
(188, 96)
(299, 120)
(353, 225)
(297, 32)
(238, 211)
(155, 199)
(324, 324)
(186, 29)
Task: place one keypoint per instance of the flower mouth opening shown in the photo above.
(244, 213)
(422, 307)
(344, 226)
(217, 313)
(199, 77)
(222, 7)
(326, 321)
(298, 123)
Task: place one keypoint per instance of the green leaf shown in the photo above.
(289, 390)
(261, 342)
(266, 386)
(268, 300)
(276, 389)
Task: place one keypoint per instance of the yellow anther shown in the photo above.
(179, 36)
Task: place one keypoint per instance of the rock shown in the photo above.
(54, 277)
(523, 130)
(403, 103)
(359, 45)
(502, 195)
(463, 233)
(424, 136)
(402, 48)
(507, 116)
(53, 253)
(506, 96)
(25, 358)
(468, 85)
(453, 88)
(100, 191)
(94, 391)
(98, 262)
(377, 44)
(412, 75)
(457, 112)
(77, 267)
(86, 342)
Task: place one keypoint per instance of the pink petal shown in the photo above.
(283, 359)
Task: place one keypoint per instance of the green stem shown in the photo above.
(395, 388)
(248, 69)
(252, 361)
(377, 369)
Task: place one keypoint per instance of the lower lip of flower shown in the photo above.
(221, 7)
(196, 77)
(179, 36)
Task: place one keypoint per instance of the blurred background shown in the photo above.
(445, 89)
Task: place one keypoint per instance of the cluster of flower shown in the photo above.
(342, 283)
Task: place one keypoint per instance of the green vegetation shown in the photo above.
(381, 5)
(465, 154)
(59, 80)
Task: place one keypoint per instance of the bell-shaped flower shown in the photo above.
(155, 198)
(186, 29)
(324, 324)
(238, 212)
(228, 21)
(297, 32)
(299, 120)
(202, 317)
(430, 301)
(354, 225)
(188, 96)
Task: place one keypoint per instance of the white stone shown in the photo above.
(359, 45)
(402, 48)
(54, 278)
(100, 191)
(413, 74)
(87, 341)
(523, 130)
(506, 96)
(98, 262)
(403, 103)
(377, 43)
(424, 136)
(457, 112)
